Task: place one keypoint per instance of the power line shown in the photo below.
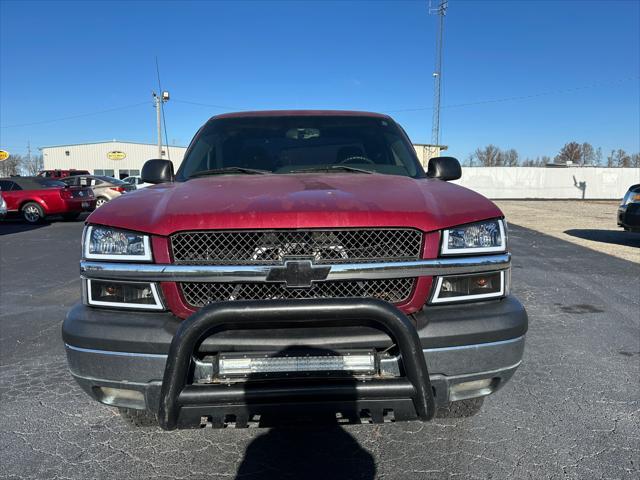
(80, 115)
(220, 107)
(603, 83)
(521, 97)
(415, 109)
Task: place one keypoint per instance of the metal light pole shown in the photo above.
(441, 11)
(158, 100)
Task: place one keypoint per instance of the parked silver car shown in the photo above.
(104, 188)
(137, 181)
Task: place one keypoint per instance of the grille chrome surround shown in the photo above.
(270, 247)
(198, 294)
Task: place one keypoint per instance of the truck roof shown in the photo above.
(299, 113)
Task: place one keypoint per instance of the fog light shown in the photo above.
(478, 286)
(123, 294)
(247, 364)
(120, 397)
(474, 388)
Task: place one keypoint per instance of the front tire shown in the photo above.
(138, 418)
(461, 408)
(32, 213)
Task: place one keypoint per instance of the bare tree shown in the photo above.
(11, 166)
(33, 165)
(511, 158)
(598, 156)
(470, 158)
(588, 154)
(489, 156)
(622, 158)
(635, 160)
(532, 162)
(544, 160)
(570, 153)
(610, 159)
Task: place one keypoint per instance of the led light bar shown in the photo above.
(247, 364)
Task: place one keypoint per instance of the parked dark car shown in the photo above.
(35, 198)
(629, 210)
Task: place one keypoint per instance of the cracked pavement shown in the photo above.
(572, 411)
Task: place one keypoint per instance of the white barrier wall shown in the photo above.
(541, 182)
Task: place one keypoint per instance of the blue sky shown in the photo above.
(60, 59)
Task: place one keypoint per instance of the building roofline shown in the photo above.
(441, 147)
(106, 141)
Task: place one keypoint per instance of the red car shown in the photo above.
(57, 173)
(298, 262)
(35, 198)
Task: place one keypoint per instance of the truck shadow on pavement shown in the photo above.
(616, 237)
(319, 452)
(306, 444)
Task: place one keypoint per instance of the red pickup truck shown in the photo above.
(35, 198)
(297, 263)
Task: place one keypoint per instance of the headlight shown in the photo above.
(477, 286)
(481, 237)
(113, 293)
(111, 244)
(631, 197)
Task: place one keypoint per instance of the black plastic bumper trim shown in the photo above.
(152, 332)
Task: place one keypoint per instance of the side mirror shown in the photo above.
(444, 168)
(157, 171)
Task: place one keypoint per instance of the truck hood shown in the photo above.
(307, 200)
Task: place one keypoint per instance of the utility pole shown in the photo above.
(29, 165)
(158, 100)
(441, 11)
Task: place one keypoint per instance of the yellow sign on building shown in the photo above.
(116, 155)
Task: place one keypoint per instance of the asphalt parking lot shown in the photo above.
(571, 411)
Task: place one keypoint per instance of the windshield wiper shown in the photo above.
(329, 168)
(221, 171)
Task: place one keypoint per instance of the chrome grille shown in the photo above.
(269, 247)
(390, 290)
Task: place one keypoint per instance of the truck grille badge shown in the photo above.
(298, 273)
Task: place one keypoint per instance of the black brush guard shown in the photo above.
(184, 405)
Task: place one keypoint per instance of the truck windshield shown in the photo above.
(300, 144)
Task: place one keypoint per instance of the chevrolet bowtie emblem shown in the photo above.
(298, 273)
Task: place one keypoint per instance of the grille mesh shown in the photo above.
(390, 290)
(269, 247)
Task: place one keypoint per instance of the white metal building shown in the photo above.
(114, 158)
(121, 159)
(426, 151)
